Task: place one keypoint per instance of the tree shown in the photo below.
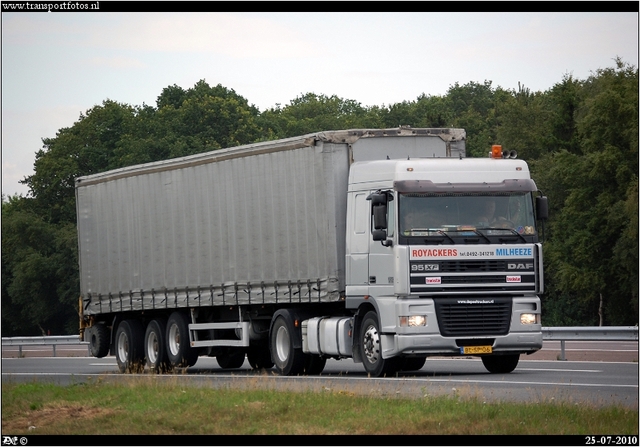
(593, 249)
(524, 120)
(39, 277)
(40, 286)
(314, 113)
(85, 148)
(476, 108)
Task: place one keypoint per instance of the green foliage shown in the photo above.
(580, 139)
(476, 108)
(524, 118)
(38, 279)
(593, 182)
(262, 407)
(314, 113)
(40, 286)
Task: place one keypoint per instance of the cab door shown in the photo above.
(382, 258)
(357, 250)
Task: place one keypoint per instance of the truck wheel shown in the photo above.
(413, 363)
(259, 357)
(129, 346)
(99, 340)
(288, 360)
(314, 364)
(179, 351)
(155, 346)
(500, 364)
(371, 351)
(231, 358)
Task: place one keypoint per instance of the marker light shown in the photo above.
(496, 151)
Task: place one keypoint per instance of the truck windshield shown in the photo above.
(454, 214)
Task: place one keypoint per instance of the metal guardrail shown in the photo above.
(47, 340)
(588, 333)
(577, 333)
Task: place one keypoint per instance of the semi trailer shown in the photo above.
(384, 246)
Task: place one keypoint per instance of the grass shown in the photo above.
(151, 407)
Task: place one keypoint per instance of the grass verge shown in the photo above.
(149, 407)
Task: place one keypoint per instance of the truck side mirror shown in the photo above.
(542, 208)
(380, 216)
(379, 235)
(379, 201)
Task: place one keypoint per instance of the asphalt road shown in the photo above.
(595, 373)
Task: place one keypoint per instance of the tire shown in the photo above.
(413, 363)
(231, 358)
(179, 351)
(99, 340)
(500, 364)
(259, 357)
(314, 364)
(129, 346)
(370, 350)
(288, 360)
(155, 346)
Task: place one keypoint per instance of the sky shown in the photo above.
(56, 66)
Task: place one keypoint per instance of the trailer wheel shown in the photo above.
(288, 360)
(371, 352)
(179, 351)
(230, 358)
(259, 357)
(129, 346)
(155, 346)
(500, 364)
(99, 340)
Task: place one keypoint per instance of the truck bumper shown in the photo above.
(428, 340)
(437, 345)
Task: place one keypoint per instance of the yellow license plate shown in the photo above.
(477, 350)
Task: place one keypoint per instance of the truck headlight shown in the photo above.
(413, 320)
(530, 318)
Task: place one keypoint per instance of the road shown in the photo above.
(595, 373)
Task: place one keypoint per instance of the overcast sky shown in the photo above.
(56, 66)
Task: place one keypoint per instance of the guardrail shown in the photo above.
(587, 333)
(47, 340)
(577, 333)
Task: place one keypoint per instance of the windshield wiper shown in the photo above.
(444, 233)
(511, 230)
(478, 232)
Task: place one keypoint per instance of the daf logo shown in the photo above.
(520, 266)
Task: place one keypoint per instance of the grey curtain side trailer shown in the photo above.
(212, 240)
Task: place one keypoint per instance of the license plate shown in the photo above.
(476, 350)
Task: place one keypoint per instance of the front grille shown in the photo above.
(473, 316)
(469, 276)
(488, 265)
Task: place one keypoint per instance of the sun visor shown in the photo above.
(427, 186)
